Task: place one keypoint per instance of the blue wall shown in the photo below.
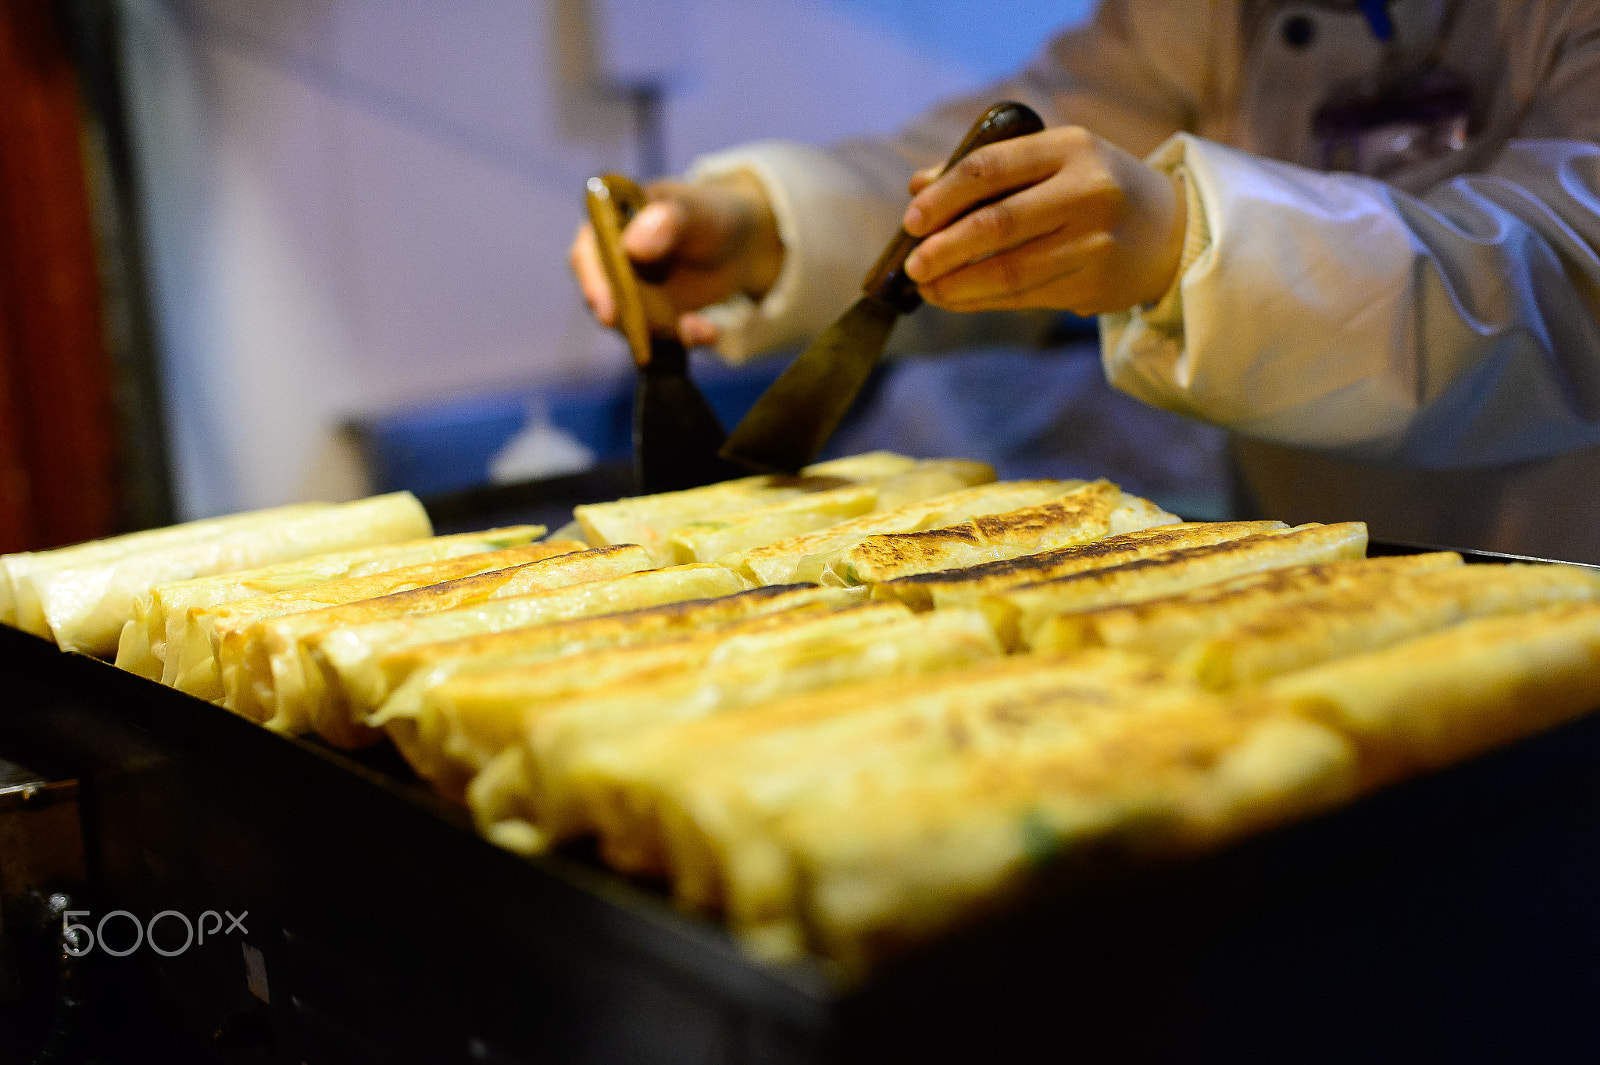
(989, 38)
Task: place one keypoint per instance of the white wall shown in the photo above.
(357, 205)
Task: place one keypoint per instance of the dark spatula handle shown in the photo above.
(676, 434)
(887, 279)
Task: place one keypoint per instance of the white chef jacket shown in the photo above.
(1422, 352)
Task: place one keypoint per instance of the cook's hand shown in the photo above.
(701, 243)
(1083, 226)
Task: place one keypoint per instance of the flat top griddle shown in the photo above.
(1453, 917)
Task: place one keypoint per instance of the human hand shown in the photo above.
(698, 243)
(1081, 225)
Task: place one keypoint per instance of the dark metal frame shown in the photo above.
(92, 32)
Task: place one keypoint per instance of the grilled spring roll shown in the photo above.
(354, 673)
(638, 775)
(647, 520)
(310, 696)
(427, 665)
(563, 800)
(88, 605)
(1349, 622)
(1446, 696)
(20, 606)
(1085, 514)
(931, 477)
(229, 628)
(783, 745)
(1162, 628)
(1018, 614)
(709, 540)
(867, 467)
(559, 795)
(161, 615)
(726, 536)
(1169, 774)
(804, 557)
(724, 789)
(969, 584)
(468, 719)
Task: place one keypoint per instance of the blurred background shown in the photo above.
(320, 245)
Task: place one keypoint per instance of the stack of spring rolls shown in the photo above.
(850, 709)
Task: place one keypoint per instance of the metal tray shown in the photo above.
(1454, 917)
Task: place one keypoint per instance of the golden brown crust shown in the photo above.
(788, 559)
(760, 808)
(649, 520)
(818, 654)
(573, 566)
(245, 629)
(1163, 627)
(1018, 614)
(709, 540)
(346, 590)
(1146, 541)
(970, 583)
(1162, 774)
(1081, 516)
(644, 623)
(1439, 698)
(1348, 621)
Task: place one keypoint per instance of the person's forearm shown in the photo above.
(1125, 75)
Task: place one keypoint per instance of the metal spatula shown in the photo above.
(676, 434)
(795, 416)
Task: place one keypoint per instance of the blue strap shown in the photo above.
(1377, 12)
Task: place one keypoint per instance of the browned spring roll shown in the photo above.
(354, 673)
(1085, 514)
(465, 718)
(885, 810)
(966, 586)
(566, 748)
(426, 665)
(1348, 622)
(251, 692)
(1162, 628)
(805, 557)
(1018, 614)
(270, 662)
(1437, 699)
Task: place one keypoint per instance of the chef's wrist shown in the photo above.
(759, 244)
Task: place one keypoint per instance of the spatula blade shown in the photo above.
(676, 434)
(795, 416)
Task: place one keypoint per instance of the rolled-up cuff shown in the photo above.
(1316, 264)
(1166, 314)
(1151, 339)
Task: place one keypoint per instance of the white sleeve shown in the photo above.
(832, 225)
(1133, 74)
(1335, 312)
